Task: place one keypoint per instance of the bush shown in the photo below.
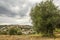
(19, 33)
(12, 31)
(15, 31)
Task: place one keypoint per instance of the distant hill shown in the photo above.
(26, 29)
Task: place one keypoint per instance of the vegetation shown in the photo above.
(24, 37)
(45, 18)
(14, 31)
(11, 31)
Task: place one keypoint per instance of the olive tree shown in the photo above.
(44, 17)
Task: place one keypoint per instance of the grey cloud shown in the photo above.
(6, 4)
(24, 11)
(7, 12)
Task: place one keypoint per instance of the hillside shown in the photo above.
(25, 29)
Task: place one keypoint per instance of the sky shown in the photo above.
(17, 11)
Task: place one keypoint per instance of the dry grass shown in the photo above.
(24, 37)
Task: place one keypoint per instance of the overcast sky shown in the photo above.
(17, 11)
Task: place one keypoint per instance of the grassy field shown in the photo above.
(29, 37)
(24, 37)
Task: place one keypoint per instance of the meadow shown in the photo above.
(25, 37)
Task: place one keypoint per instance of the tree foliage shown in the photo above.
(45, 17)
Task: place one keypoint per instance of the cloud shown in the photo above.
(57, 3)
(17, 11)
(13, 10)
(6, 12)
